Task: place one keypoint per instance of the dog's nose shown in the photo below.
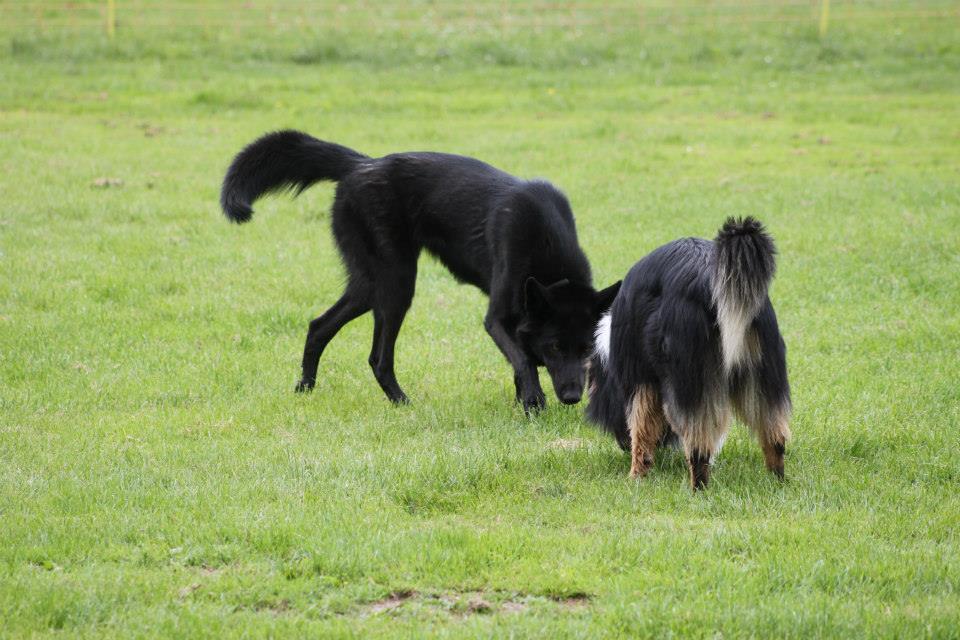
(571, 396)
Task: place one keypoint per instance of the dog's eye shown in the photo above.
(555, 347)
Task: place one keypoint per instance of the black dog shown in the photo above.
(691, 335)
(514, 239)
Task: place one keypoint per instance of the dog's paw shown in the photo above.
(399, 399)
(534, 403)
(304, 386)
(640, 468)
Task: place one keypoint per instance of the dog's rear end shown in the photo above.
(691, 339)
(754, 354)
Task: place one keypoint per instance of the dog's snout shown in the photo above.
(571, 395)
(568, 379)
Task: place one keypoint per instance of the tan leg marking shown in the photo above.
(770, 424)
(773, 438)
(646, 423)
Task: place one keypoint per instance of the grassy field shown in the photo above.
(159, 477)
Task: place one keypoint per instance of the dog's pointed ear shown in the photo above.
(536, 296)
(603, 299)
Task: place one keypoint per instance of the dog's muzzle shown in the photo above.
(570, 395)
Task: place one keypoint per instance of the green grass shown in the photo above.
(159, 477)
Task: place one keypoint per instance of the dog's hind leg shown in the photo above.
(375, 346)
(769, 421)
(773, 441)
(702, 429)
(354, 302)
(761, 393)
(646, 424)
(394, 293)
(696, 397)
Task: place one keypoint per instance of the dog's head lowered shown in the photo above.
(557, 331)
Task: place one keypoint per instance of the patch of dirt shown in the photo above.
(150, 130)
(273, 606)
(391, 602)
(469, 603)
(574, 601)
(106, 183)
(187, 590)
(476, 604)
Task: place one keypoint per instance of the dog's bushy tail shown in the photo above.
(743, 266)
(281, 160)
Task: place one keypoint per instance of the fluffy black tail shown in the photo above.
(743, 267)
(281, 160)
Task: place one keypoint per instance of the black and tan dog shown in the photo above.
(690, 339)
(514, 239)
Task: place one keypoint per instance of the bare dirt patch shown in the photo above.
(513, 607)
(573, 601)
(184, 592)
(477, 604)
(107, 182)
(470, 603)
(391, 602)
(275, 607)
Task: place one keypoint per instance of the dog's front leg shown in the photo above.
(525, 377)
(529, 393)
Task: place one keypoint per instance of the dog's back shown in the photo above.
(691, 338)
(466, 212)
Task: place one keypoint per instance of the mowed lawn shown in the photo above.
(159, 477)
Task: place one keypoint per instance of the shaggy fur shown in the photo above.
(514, 239)
(691, 339)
